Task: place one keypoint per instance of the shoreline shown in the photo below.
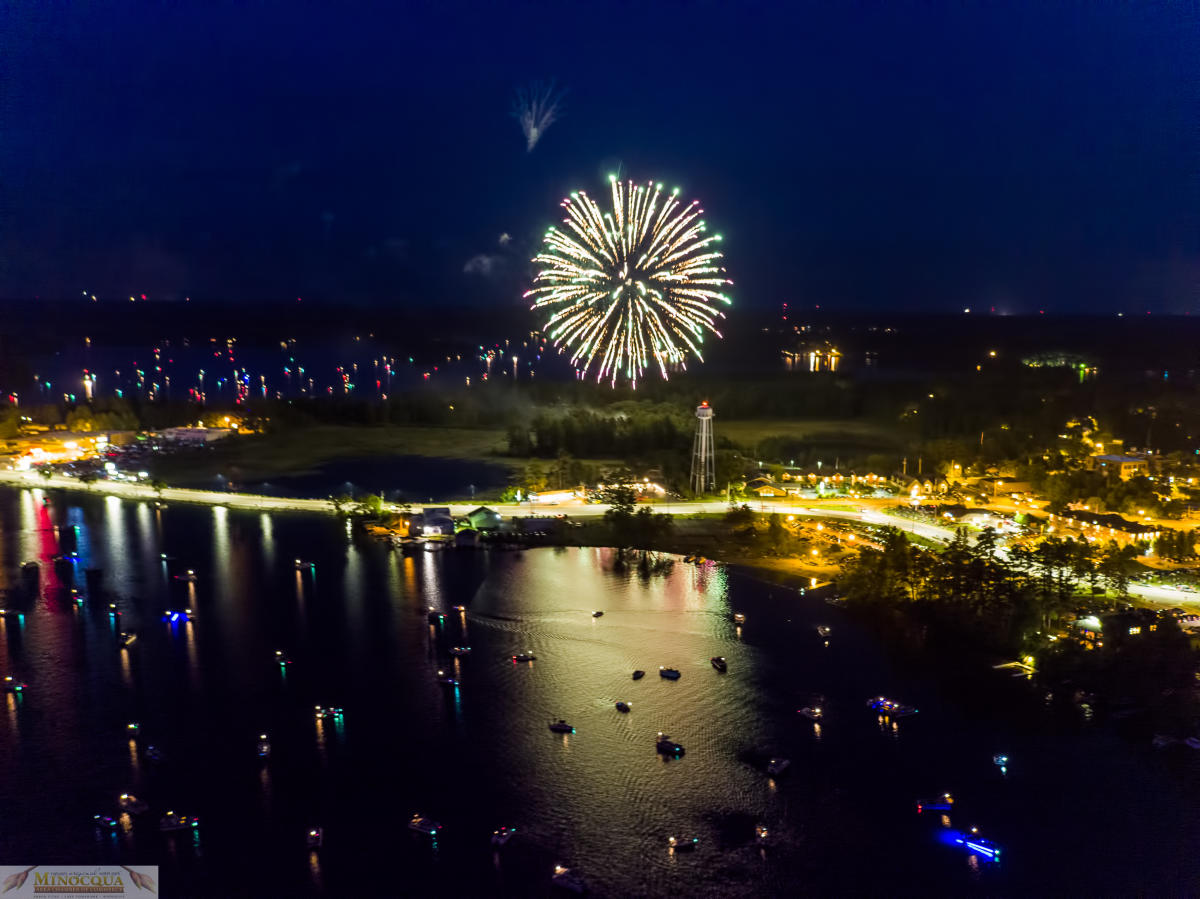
(1151, 594)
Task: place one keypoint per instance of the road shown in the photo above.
(870, 513)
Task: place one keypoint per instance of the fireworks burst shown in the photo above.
(632, 287)
(536, 108)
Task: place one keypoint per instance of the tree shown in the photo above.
(1116, 567)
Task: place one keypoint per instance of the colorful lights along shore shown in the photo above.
(630, 288)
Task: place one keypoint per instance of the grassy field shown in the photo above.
(295, 452)
(868, 436)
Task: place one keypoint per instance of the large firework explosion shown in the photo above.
(631, 287)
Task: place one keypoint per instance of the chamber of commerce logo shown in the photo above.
(70, 882)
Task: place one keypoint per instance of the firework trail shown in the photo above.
(632, 287)
(536, 107)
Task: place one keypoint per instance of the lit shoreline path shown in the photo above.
(255, 502)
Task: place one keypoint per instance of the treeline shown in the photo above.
(622, 430)
(971, 588)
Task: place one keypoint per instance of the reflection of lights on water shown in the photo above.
(126, 671)
(133, 755)
(314, 868)
(817, 729)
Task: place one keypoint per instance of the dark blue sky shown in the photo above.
(896, 155)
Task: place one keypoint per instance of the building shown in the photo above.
(484, 519)
(1125, 467)
(435, 521)
(1102, 527)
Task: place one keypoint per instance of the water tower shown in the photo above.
(704, 466)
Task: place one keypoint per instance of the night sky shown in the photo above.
(910, 156)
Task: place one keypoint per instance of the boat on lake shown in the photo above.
(565, 880)
(127, 802)
(420, 824)
(669, 673)
(460, 650)
(172, 822)
(104, 822)
(762, 836)
(719, 663)
(664, 745)
(813, 713)
(561, 727)
(775, 767)
(263, 748)
(323, 712)
(502, 835)
(623, 707)
(682, 844)
(597, 614)
(315, 838)
(739, 618)
(941, 803)
(639, 674)
(524, 657)
(189, 576)
(11, 686)
(823, 630)
(127, 639)
(890, 707)
(446, 680)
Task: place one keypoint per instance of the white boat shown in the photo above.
(776, 767)
(127, 802)
(565, 880)
(323, 712)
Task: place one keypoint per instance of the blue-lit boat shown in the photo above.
(941, 803)
(890, 707)
(977, 845)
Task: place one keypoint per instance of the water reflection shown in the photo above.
(602, 798)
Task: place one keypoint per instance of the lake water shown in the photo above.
(1078, 810)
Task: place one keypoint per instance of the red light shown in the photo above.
(143, 296)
